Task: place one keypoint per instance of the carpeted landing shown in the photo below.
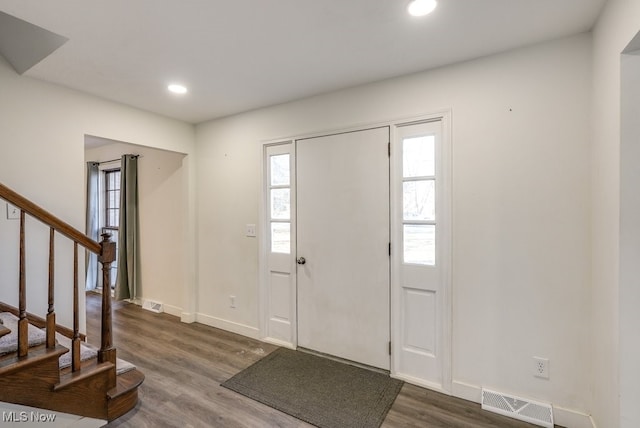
(317, 390)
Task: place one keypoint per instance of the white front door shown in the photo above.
(343, 237)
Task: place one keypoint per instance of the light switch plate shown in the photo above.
(13, 213)
(250, 230)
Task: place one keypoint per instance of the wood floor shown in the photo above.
(184, 365)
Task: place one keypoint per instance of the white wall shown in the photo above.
(42, 129)
(162, 220)
(629, 242)
(614, 403)
(521, 221)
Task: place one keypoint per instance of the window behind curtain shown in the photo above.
(112, 211)
(112, 198)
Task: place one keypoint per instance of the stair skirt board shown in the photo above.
(9, 343)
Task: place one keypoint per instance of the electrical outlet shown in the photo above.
(541, 367)
(232, 302)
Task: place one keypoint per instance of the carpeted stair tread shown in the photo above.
(9, 342)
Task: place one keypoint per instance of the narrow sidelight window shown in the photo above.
(419, 199)
(280, 203)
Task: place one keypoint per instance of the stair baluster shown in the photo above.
(51, 315)
(75, 342)
(23, 323)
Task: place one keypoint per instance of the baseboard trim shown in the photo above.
(572, 418)
(562, 416)
(187, 317)
(421, 383)
(278, 342)
(231, 326)
(467, 391)
(173, 310)
(169, 309)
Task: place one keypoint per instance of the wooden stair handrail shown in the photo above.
(106, 255)
(49, 219)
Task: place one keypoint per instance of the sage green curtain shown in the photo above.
(92, 227)
(128, 281)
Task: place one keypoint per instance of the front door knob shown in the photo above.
(301, 261)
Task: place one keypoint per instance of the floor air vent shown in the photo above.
(152, 306)
(518, 408)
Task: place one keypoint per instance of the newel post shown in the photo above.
(107, 256)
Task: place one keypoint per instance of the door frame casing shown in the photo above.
(445, 216)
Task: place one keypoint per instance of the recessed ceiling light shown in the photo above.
(177, 89)
(421, 7)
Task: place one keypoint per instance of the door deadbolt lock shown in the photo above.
(301, 261)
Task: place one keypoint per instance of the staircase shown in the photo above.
(32, 375)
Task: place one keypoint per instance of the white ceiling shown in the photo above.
(240, 55)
